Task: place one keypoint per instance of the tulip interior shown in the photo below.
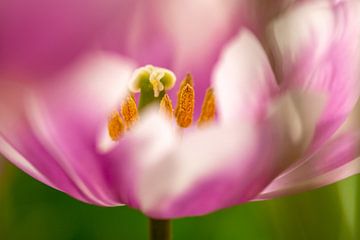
(152, 83)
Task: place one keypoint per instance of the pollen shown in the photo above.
(116, 126)
(186, 103)
(187, 80)
(166, 106)
(129, 111)
(208, 108)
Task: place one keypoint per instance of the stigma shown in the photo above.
(160, 79)
(153, 83)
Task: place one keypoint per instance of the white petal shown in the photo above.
(243, 79)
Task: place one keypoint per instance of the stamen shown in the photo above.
(129, 111)
(116, 126)
(187, 80)
(166, 106)
(208, 108)
(185, 106)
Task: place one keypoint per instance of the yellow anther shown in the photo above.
(129, 111)
(208, 108)
(185, 106)
(166, 106)
(187, 80)
(116, 126)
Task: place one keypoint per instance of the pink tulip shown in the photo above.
(275, 131)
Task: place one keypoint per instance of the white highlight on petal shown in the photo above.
(298, 113)
(243, 78)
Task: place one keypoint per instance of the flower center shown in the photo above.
(152, 82)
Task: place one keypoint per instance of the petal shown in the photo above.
(322, 56)
(243, 79)
(172, 176)
(335, 161)
(38, 37)
(261, 12)
(209, 169)
(50, 130)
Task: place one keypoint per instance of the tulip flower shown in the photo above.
(250, 122)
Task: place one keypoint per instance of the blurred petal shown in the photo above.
(335, 161)
(261, 12)
(50, 130)
(168, 177)
(38, 37)
(243, 79)
(213, 168)
(321, 55)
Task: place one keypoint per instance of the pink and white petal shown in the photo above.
(148, 143)
(322, 55)
(64, 118)
(204, 170)
(191, 181)
(335, 161)
(213, 168)
(38, 37)
(243, 80)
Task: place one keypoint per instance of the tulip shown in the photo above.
(266, 126)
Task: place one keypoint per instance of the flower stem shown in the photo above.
(159, 229)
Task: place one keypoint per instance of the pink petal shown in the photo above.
(38, 37)
(321, 55)
(50, 130)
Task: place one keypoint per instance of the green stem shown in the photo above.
(357, 208)
(159, 229)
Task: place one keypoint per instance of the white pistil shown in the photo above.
(155, 77)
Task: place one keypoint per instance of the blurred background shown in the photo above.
(30, 210)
